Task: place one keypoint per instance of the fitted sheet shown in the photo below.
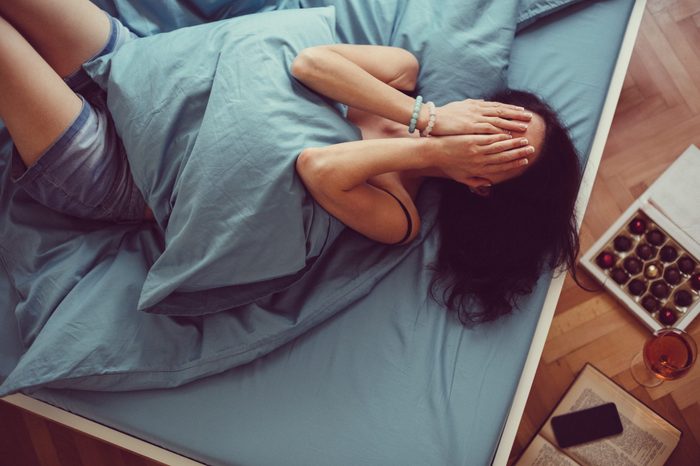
(391, 380)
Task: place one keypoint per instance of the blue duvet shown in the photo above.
(212, 142)
(240, 257)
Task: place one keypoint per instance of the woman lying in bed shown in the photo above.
(509, 171)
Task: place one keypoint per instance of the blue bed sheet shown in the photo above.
(392, 380)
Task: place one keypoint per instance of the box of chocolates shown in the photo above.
(645, 267)
(648, 262)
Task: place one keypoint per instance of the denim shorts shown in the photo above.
(85, 172)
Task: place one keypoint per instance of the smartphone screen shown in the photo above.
(586, 425)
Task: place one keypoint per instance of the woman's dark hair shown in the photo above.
(494, 249)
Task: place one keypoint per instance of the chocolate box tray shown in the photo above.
(650, 265)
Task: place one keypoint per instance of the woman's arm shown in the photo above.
(393, 66)
(368, 77)
(336, 176)
(359, 76)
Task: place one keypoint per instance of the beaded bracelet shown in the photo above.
(431, 121)
(416, 112)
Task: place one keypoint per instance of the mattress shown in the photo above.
(392, 380)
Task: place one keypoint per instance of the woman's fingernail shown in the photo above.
(524, 142)
(528, 115)
(531, 149)
(524, 162)
(523, 127)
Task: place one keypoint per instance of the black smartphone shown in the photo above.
(586, 425)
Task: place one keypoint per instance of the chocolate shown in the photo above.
(645, 251)
(655, 237)
(686, 264)
(682, 298)
(637, 287)
(650, 303)
(668, 254)
(622, 243)
(637, 226)
(672, 275)
(633, 265)
(605, 260)
(652, 271)
(667, 316)
(619, 275)
(660, 289)
(695, 282)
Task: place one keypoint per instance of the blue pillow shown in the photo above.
(533, 10)
(213, 122)
(464, 53)
(146, 17)
(463, 46)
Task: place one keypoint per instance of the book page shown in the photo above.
(676, 191)
(542, 453)
(646, 439)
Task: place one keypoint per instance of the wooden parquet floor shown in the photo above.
(657, 117)
(30, 440)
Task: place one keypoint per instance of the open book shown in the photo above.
(647, 439)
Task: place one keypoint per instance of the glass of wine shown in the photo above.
(669, 354)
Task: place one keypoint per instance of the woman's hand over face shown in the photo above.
(480, 155)
(479, 117)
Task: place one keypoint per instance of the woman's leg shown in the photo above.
(75, 162)
(65, 32)
(35, 104)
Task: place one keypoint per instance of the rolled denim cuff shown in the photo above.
(118, 36)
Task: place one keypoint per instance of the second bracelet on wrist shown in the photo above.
(432, 117)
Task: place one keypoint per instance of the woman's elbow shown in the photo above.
(305, 63)
(299, 65)
(408, 77)
(310, 167)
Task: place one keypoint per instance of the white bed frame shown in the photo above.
(148, 450)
